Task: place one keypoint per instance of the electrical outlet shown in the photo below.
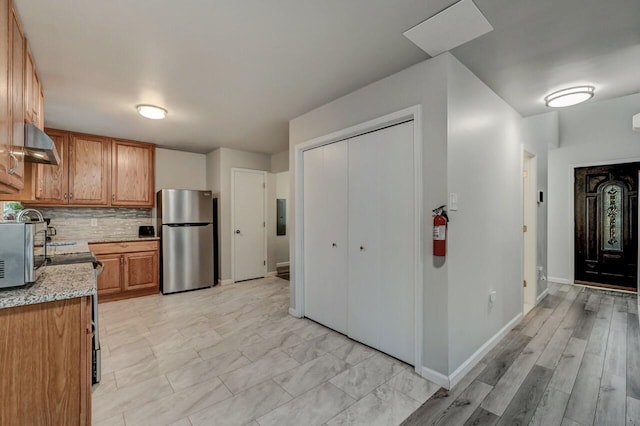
(94, 222)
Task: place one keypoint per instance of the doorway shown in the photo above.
(606, 232)
(529, 229)
(248, 224)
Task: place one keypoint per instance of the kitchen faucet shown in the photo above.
(25, 211)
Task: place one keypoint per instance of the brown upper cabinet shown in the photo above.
(21, 99)
(81, 178)
(89, 163)
(51, 182)
(96, 171)
(33, 98)
(5, 97)
(132, 174)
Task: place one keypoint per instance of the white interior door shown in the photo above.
(248, 224)
(325, 235)
(382, 240)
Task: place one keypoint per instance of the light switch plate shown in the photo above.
(453, 201)
(94, 222)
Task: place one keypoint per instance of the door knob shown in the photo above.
(237, 231)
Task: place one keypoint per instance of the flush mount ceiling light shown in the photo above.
(152, 112)
(568, 97)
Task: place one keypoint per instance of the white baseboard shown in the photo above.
(435, 377)
(615, 290)
(294, 313)
(271, 274)
(474, 359)
(542, 295)
(559, 280)
(282, 264)
(226, 282)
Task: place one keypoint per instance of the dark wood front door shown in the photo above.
(606, 234)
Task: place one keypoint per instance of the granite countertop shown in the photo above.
(120, 239)
(54, 283)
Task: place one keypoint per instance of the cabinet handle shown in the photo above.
(65, 196)
(71, 195)
(16, 163)
(113, 197)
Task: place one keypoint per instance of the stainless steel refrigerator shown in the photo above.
(187, 229)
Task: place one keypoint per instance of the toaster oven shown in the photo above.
(21, 258)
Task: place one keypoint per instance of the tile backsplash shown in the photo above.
(75, 223)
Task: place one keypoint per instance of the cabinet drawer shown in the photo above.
(123, 247)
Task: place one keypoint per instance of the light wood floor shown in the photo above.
(573, 360)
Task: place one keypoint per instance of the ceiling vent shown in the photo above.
(450, 28)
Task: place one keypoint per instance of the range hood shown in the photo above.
(38, 147)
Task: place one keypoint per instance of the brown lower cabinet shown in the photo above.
(45, 359)
(130, 269)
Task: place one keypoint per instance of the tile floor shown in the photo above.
(232, 355)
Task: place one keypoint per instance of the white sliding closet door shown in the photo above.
(325, 235)
(382, 240)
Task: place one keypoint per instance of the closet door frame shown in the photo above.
(414, 114)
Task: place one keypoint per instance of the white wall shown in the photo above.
(219, 165)
(540, 134)
(485, 234)
(280, 162)
(180, 170)
(592, 133)
(472, 144)
(422, 84)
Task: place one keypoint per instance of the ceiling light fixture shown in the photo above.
(151, 112)
(568, 97)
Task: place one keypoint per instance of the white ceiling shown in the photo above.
(232, 73)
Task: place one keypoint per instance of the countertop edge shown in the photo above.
(18, 301)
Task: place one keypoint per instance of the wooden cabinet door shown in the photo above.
(29, 79)
(89, 162)
(140, 270)
(110, 280)
(132, 174)
(5, 97)
(17, 102)
(40, 106)
(52, 182)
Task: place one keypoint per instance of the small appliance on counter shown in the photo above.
(20, 262)
(146, 231)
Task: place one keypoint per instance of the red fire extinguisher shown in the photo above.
(440, 221)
